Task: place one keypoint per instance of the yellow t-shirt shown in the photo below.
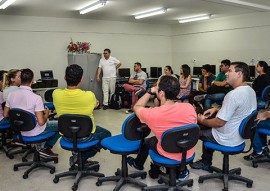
(75, 101)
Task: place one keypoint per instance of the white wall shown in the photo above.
(238, 38)
(40, 43)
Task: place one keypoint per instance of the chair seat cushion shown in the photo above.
(119, 143)
(163, 160)
(81, 145)
(49, 105)
(37, 138)
(264, 131)
(225, 149)
(4, 126)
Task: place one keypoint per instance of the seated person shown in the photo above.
(224, 128)
(205, 81)
(73, 100)
(167, 72)
(2, 119)
(25, 99)
(169, 114)
(11, 82)
(185, 81)
(260, 148)
(136, 84)
(261, 81)
(218, 89)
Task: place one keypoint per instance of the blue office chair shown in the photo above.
(255, 161)
(265, 97)
(21, 120)
(175, 140)
(49, 102)
(245, 130)
(74, 127)
(129, 142)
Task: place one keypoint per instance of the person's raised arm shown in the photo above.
(42, 116)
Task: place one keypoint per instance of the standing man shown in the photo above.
(224, 128)
(108, 65)
(159, 119)
(136, 84)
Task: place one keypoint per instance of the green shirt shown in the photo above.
(221, 77)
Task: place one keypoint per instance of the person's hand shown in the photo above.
(206, 75)
(200, 118)
(209, 112)
(154, 90)
(261, 116)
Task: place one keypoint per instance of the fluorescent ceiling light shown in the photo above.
(150, 13)
(5, 3)
(194, 18)
(248, 4)
(93, 6)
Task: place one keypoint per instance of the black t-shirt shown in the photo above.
(260, 83)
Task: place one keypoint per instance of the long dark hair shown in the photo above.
(169, 68)
(186, 70)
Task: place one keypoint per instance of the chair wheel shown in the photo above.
(200, 181)
(96, 169)
(160, 181)
(10, 156)
(238, 173)
(25, 176)
(55, 160)
(118, 172)
(190, 185)
(143, 176)
(52, 171)
(24, 160)
(15, 168)
(98, 183)
(254, 165)
(249, 185)
(74, 187)
(56, 180)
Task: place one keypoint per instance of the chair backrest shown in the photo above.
(247, 125)
(48, 95)
(73, 125)
(133, 129)
(21, 120)
(180, 139)
(266, 93)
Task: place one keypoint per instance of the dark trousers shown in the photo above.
(206, 135)
(149, 143)
(192, 101)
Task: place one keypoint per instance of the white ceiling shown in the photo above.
(122, 10)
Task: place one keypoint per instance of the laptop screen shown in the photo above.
(46, 75)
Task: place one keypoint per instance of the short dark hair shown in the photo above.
(242, 67)
(207, 67)
(138, 63)
(226, 62)
(169, 68)
(73, 74)
(108, 50)
(27, 76)
(264, 65)
(170, 86)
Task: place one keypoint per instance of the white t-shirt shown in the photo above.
(7, 90)
(140, 75)
(108, 67)
(237, 104)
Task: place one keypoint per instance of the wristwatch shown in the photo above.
(150, 92)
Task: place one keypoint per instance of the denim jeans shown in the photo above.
(212, 98)
(99, 134)
(52, 126)
(260, 140)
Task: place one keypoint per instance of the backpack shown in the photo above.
(116, 101)
(126, 99)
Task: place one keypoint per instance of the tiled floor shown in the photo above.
(42, 180)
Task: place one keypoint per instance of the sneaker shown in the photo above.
(131, 162)
(105, 107)
(253, 155)
(137, 92)
(183, 175)
(129, 111)
(199, 97)
(47, 152)
(200, 165)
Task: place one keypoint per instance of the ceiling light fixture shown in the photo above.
(150, 13)
(194, 18)
(5, 3)
(93, 6)
(248, 4)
